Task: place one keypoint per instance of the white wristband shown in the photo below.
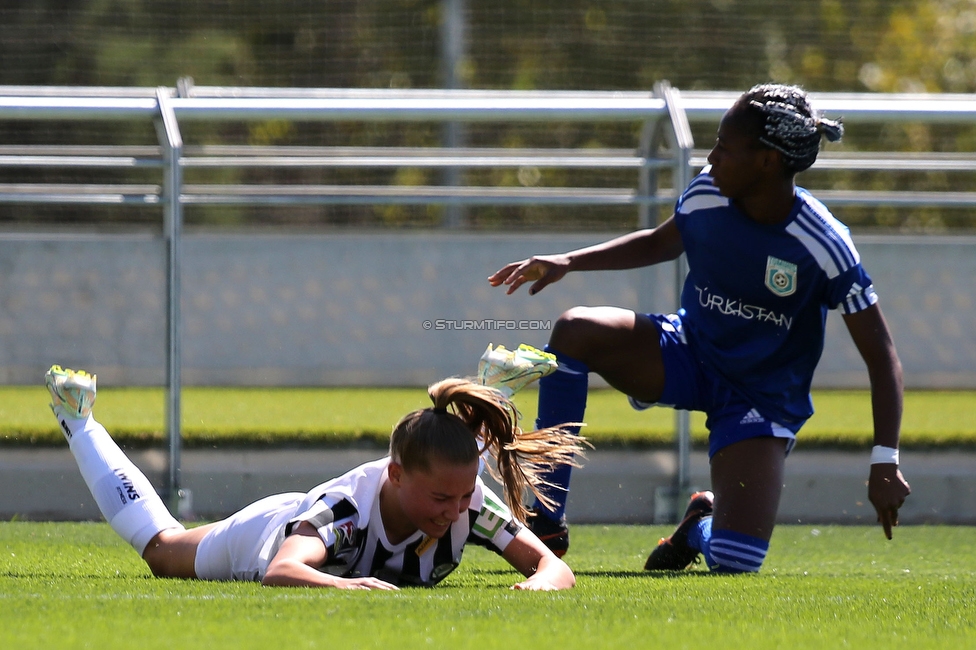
(884, 455)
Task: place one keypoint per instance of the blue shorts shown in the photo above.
(690, 386)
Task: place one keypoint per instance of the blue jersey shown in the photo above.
(756, 296)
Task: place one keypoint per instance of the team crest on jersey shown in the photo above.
(346, 551)
(345, 534)
(780, 276)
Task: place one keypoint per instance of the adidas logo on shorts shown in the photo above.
(752, 417)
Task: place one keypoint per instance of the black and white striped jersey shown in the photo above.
(346, 513)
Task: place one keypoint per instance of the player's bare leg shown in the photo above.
(618, 344)
(172, 553)
(732, 524)
(747, 479)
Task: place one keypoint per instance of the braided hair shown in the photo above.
(789, 124)
(468, 418)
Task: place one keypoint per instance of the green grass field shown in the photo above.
(76, 585)
(72, 585)
(134, 416)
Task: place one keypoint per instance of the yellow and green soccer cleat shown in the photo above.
(72, 392)
(510, 370)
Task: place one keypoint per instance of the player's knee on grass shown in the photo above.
(732, 552)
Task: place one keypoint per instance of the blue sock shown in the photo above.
(699, 536)
(562, 398)
(727, 551)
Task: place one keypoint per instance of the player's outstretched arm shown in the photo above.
(541, 270)
(636, 249)
(294, 565)
(543, 570)
(887, 488)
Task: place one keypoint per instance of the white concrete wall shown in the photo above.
(350, 309)
(612, 487)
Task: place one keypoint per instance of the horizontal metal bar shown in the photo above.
(78, 161)
(699, 105)
(882, 162)
(217, 155)
(330, 162)
(421, 195)
(897, 161)
(282, 156)
(322, 195)
(134, 151)
(342, 151)
(76, 108)
(414, 195)
(258, 92)
(500, 109)
(471, 160)
(53, 193)
(585, 162)
(285, 156)
(20, 102)
(907, 165)
(79, 199)
(78, 91)
(79, 188)
(897, 199)
(852, 107)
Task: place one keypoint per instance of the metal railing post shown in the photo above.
(171, 141)
(648, 147)
(682, 143)
(453, 47)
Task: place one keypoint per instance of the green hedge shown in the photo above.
(351, 416)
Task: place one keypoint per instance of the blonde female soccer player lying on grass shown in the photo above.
(401, 520)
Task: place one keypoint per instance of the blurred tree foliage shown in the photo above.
(824, 45)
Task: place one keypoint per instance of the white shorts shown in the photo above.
(232, 550)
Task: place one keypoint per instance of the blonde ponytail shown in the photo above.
(464, 413)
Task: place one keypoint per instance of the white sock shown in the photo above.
(122, 492)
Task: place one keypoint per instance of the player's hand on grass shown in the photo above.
(543, 571)
(536, 583)
(541, 270)
(364, 583)
(887, 489)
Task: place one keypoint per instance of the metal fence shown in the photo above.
(662, 159)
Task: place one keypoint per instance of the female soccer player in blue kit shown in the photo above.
(766, 261)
